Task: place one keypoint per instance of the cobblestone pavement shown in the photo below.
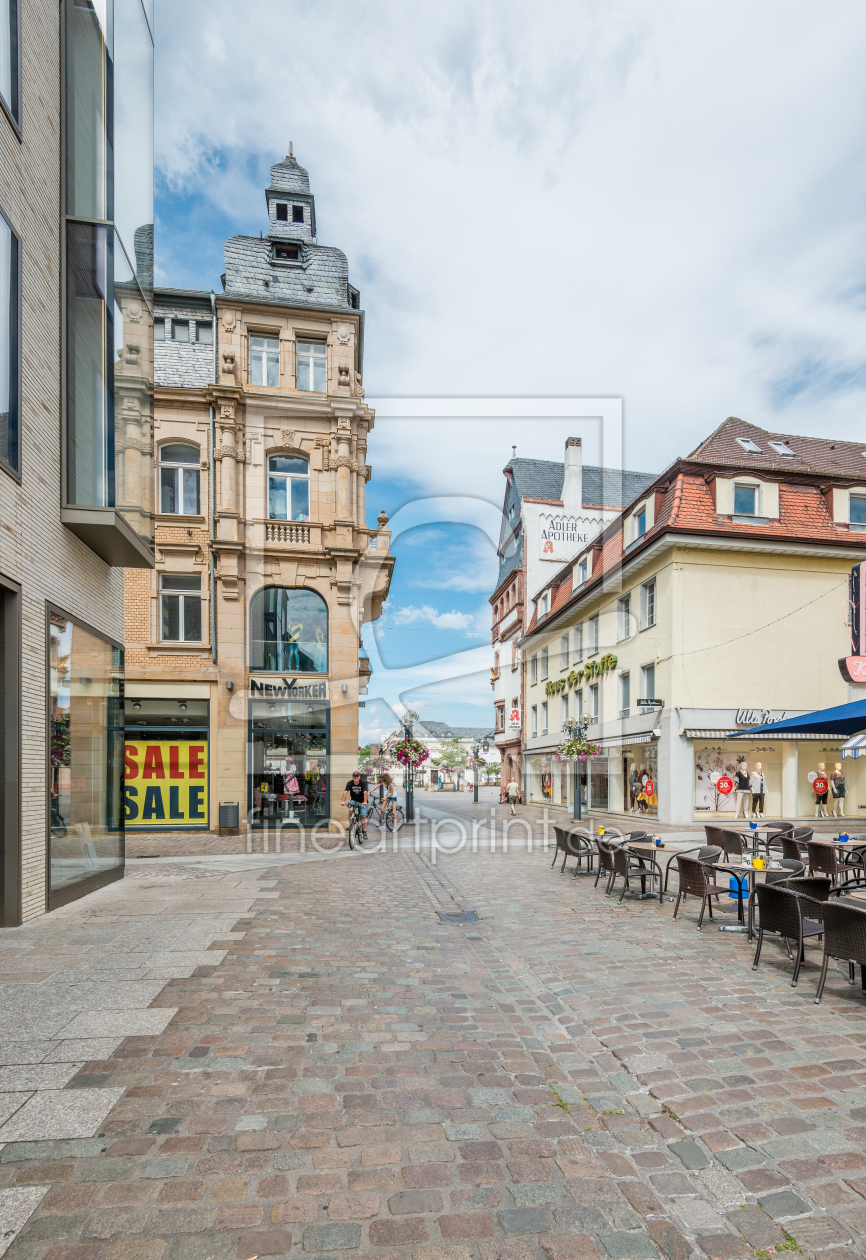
(563, 1078)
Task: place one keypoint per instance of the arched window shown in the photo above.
(179, 479)
(288, 488)
(288, 631)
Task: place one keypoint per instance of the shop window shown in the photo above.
(180, 607)
(288, 488)
(648, 604)
(624, 695)
(204, 332)
(857, 512)
(312, 359)
(543, 663)
(179, 479)
(282, 212)
(623, 608)
(578, 644)
(593, 702)
(745, 500)
(563, 712)
(297, 214)
(264, 361)
(159, 330)
(563, 651)
(288, 631)
(648, 682)
(180, 330)
(544, 718)
(9, 56)
(168, 736)
(593, 635)
(85, 675)
(534, 721)
(9, 343)
(533, 669)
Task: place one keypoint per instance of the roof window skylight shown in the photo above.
(781, 448)
(750, 447)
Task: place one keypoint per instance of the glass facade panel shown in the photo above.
(540, 778)
(89, 107)
(289, 631)
(133, 136)
(89, 365)
(9, 55)
(86, 755)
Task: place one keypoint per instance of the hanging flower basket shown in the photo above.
(410, 752)
(578, 748)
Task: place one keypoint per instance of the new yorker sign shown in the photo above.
(288, 689)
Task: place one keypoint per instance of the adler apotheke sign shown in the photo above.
(561, 537)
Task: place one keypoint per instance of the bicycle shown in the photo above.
(381, 812)
(356, 831)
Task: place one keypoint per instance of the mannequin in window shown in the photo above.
(743, 785)
(838, 790)
(821, 797)
(632, 788)
(758, 786)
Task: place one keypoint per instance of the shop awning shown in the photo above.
(738, 732)
(854, 747)
(624, 741)
(843, 719)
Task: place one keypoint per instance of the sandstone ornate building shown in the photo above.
(244, 652)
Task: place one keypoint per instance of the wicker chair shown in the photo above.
(844, 937)
(605, 852)
(816, 887)
(636, 865)
(854, 856)
(732, 842)
(822, 857)
(714, 836)
(790, 868)
(701, 852)
(695, 878)
(781, 910)
(573, 843)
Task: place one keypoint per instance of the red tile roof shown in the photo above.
(821, 456)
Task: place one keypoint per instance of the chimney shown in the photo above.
(572, 484)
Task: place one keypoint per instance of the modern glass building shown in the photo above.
(76, 427)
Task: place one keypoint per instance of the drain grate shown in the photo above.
(468, 916)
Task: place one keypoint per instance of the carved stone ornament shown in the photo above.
(226, 452)
(382, 518)
(133, 444)
(325, 445)
(344, 424)
(133, 354)
(359, 389)
(344, 334)
(342, 461)
(343, 371)
(227, 411)
(228, 320)
(288, 437)
(228, 361)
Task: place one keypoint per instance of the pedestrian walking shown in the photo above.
(512, 791)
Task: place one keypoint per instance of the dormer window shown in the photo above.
(639, 519)
(282, 212)
(544, 604)
(782, 449)
(745, 500)
(582, 571)
(297, 214)
(287, 253)
(750, 447)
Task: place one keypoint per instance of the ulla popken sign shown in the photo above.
(760, 717)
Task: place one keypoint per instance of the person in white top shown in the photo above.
(512, 791)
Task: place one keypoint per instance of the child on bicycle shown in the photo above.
(390, 795)
(355, 794)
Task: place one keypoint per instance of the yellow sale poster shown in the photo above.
(166, 783)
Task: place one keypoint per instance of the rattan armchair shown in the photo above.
(789, 868)
(701, 852)
(640, 866)
(695, 879)
(822, 857)
(844, 937)
(571, 842)
(781, 910)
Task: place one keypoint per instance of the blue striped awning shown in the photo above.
(855, 746)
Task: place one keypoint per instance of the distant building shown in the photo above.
(434, 734)
(550, 512)
(244, 645)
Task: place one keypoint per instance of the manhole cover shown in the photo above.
(468, 916)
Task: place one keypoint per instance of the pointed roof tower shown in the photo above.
(291, 205)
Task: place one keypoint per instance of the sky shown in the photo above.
(659, 203)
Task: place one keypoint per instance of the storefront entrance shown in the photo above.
(166, 765)
(289, 749)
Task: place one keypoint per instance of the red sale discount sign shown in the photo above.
(725, 785)
(820, 785)
(649, 787)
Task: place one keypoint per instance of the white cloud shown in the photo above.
(427, 614)
(661, 202)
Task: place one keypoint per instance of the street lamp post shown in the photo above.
(571, 727)
(476, 756)
(406, 721)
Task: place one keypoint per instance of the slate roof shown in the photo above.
(821, 456)
(602, 487)
(321, 280)
(182, 364)
(442, 730)
(509, 562)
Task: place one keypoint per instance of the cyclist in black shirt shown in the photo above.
(355, 794)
